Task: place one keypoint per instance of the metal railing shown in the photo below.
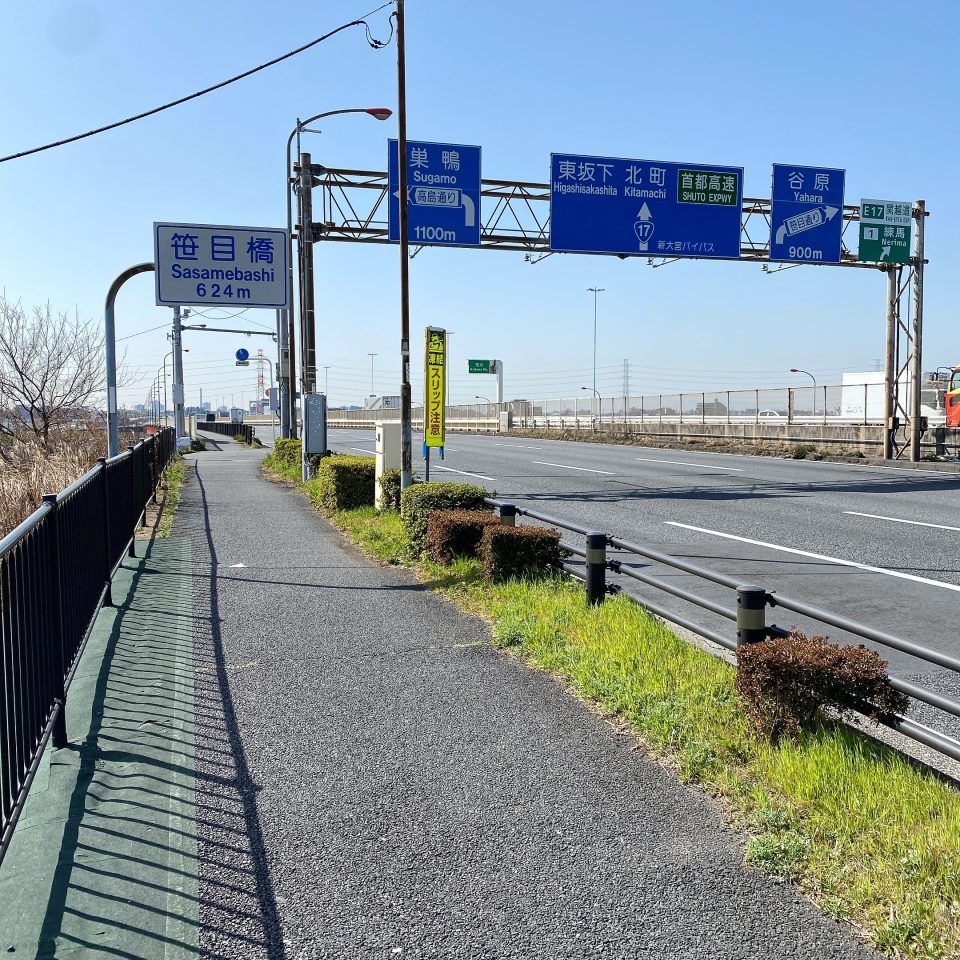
(749, 614)
(231, 430)
(55, 574)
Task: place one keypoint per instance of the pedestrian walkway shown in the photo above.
(373, 779)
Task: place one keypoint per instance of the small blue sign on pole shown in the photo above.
(242, 354)
(806, 215)
(644, 207)
(443, 189)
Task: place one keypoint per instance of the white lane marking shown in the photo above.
(235, 565)
(916, 523)
(685, 463)
(361, 449)
(464, 473)
(819, 556)
(566, 466)
(519, 446)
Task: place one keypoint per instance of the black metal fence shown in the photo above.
(55, 574)
(233, 430)
(749, 615)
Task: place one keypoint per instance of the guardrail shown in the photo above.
(55, 574)
(749, 614)
(231, 430)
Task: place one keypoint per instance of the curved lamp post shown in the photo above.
(814, 379)
(287, 333)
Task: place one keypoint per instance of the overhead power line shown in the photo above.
(376, 44)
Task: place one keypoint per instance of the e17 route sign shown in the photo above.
(806, 214)
(443, 190)
(885, 231)
(644, 207)
(199, 263)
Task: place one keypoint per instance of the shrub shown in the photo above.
(452, 533)
(783, 682)
(518, 551)
(390, 490)
(286, 451)
(343, 483)
(419, 500)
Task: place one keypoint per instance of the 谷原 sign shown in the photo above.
(885, 231)
(478, 366)
(443, 191)
(205, 264)
(644, 207)
(806, 214)
(435, 371)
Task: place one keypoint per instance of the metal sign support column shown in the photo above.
(916, 372)
(179, 421)
(308, 346)
(890, 365)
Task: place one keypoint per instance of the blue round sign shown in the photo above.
(243, 354)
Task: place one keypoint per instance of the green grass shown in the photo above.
(870, 837)
(173, 477)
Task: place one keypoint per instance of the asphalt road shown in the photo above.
(879, 545)
(375, 780)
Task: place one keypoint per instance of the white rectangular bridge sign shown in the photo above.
(206, 264)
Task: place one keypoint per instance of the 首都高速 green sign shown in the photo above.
(478, 366)
(885, 231)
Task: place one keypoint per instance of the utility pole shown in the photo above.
(179, 420)
(626, 379)
(406, 431)
(326, 381)
(283, 361)
(371, 355)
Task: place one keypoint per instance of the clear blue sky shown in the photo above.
(869, 87)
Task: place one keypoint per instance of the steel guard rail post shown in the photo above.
(750, 615)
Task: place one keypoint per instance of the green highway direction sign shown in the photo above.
(478, 366)
(885, 231)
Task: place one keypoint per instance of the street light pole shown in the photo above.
(288, 319)
(595, 291)
(406, 431)
(814, 379)
(326, 381)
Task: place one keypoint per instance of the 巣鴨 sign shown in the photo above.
(202, 264)
(435, 372)
(478, 366)
(806, 214)
(443, 190)
(644, 207)
(885, 231)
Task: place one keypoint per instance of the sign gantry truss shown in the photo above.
(515, 215)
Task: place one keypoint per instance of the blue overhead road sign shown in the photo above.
(443, 186)
(806, 216)
(644, 207)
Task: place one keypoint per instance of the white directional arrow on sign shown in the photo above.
(808, 220)
(643, 228)
(442, 197)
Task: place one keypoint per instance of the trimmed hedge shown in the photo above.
(343, 483)
(286, 450)
(518, 551)
(452, 533)
(390, 490)
(784, 682)
(419, 500)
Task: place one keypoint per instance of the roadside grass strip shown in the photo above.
(174, 477)
(872, 838)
